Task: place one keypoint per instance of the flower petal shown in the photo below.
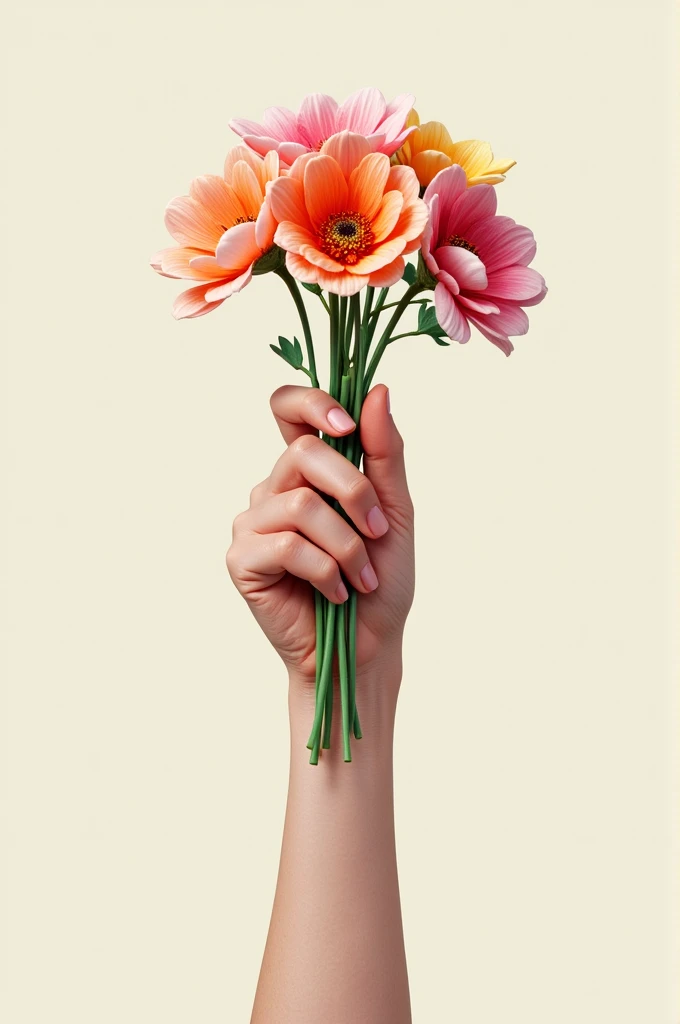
(347, 149)
(403, 178)
(342, 283)
(281, 124)
(478, 305)
(395, 116)
(287, 198)
(476, 203)
(362, 112)
(218, 198)
(243, 153)
(301, 269)
(475, 157)
(389, 275)
(517, 283)
(503, 243)
(449, 315)
(468, 269)
(191, 264)
(247, 187)
(290, 151)
(412, 220)
(237, 247)
(380, 257)
(189, 223)
(192, 303)
(227, 288)
(260, 144)
(388, 215)
(242, 126)
(367, 184)
(448, 184)
(317, 119)
(291, 236)
(265, 226)
(325, 189)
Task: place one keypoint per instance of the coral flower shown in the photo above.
(478, 262)
(225, 230)
(364, 113)
(430, 148)
(346, 217)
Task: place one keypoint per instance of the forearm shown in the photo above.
(335, 949)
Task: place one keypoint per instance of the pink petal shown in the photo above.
(478, 305)
(395, 116)
(237, 247)
(389, 275)
(503, 243)
(192, 303)
(449, 281)
(317, 119)
(347, 149)
(290, 151)
(260, 143)
(537, 298)
(242, 127)
(517, 283)
(449, 184)
(429, 233)
(190, 224)
(449, 315)
(468, 269)
(281, 124)
(287, 198)
(227, 288)
(476, 203)
(362, 112)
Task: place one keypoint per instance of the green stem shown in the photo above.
(409, 294)
(389, 305)
(344, 690)
(378, 307)
(326, 679)
(352, 652)
(294, 290)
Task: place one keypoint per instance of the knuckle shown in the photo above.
(231, 560)
(302, 501)
(354, 547)
(358, 487)
(303, 446)
(239, 524)
(328, 570)
(256, 494)
(289, 545)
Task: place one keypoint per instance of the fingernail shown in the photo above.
(377, 523)
(389, 404)
(341, 593)
(340, 420)
(368, 577)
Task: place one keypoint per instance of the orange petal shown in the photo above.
(387, 215)
(218, 198)
(287, 198)
(412, 220)
(189, 223)
(347, 149)
(238, 248)
(247, 187)
(243, 153)
(380, 257)
(297, 171)
(325, 189)
(342, 283)
(367, 184)
(179, 262)
(405, 179)
(389, 275)
(292, 237)
(319, 259)
(192, 303)
(301, 269)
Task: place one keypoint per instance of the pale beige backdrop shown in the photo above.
(146, 717)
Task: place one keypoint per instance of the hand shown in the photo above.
(290, 537)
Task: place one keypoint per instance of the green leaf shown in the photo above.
(290, 353)
(409, 274)
(428, 323)
(440, 341)
(314, 288)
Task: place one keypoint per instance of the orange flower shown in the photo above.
(224, 228)
(430, 148)
(346, 218)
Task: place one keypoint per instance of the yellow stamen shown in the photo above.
(346, 237)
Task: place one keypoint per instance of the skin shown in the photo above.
(335, 948)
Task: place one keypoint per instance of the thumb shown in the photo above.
(383, 448)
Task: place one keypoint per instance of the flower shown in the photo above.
(346, 217)
(430, 148)
(364, 113)
(477, 262)
(225, 231)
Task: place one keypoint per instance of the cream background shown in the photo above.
(145, 728)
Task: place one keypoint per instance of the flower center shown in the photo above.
(346, 237)
(463, 243)
(243, 220)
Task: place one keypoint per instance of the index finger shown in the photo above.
(299, 411)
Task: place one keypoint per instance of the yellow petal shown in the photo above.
(434, 135)
(428, 164)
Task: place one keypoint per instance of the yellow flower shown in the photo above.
(430, 148)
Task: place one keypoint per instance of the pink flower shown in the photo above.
(364, 113)
(224, 228)
(479, 262)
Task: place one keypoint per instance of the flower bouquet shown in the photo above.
(333, 199)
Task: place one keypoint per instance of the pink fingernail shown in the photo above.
(341, 593)
(377, 523)
(368, 577)
(340, 420)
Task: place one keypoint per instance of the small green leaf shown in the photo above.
(440, 341)
(290, 352)
(314, 288)
(409, 274)
(297, 351)
(428, 323)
